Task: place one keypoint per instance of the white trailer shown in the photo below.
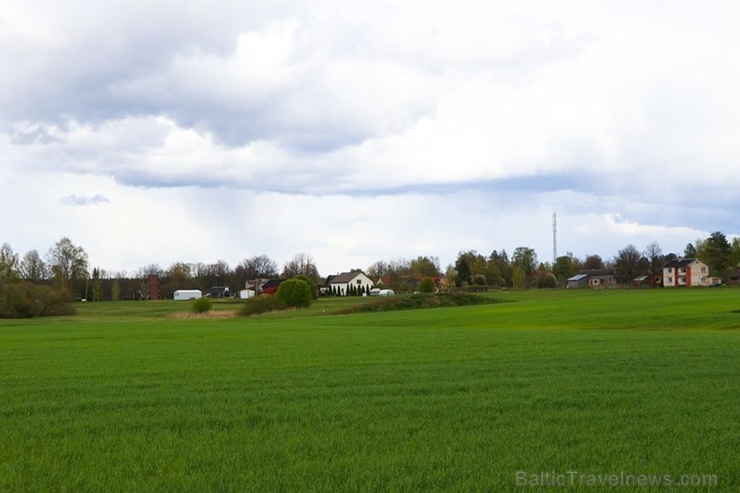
(188, 294)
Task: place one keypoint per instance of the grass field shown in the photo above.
(131, 397)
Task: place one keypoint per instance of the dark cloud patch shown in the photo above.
(82, 201)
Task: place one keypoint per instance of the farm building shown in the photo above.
(218, 292)
(346, 282)
(187, 294)
(686, 272)
(648, 280)
(593, 278)
(270, 286)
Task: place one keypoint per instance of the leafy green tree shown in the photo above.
(499, 268)
(564, 268)
(690, 251)
(463, 272)
(517, 277)
(115, 289)
(294, 293)
(715, 251)
(425, 266)
(97, 285)
(735, 254)
(68, 265)
(526, 259)
(427, 285)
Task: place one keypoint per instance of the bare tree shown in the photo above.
(654, 256)
(32, 268)
(301, 264)
(256, 267)
(627, 261)
(593, 262)
(9, 263)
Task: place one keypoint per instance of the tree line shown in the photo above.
(66, 267)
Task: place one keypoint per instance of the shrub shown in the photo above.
(427, 285)
(26, 300)
(263, 303)
(547, 280)
(312, 285)
(294, 293)
(202, 305)
(479, 280)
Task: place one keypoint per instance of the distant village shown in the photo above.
(709, 262)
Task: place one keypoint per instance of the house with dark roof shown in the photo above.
(600, 278)
(685, 272)
(218, 292)
(346, 282)
(270, 286)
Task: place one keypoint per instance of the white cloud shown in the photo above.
(359, 131)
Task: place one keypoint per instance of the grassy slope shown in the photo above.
(122, 398)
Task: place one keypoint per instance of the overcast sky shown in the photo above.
(162, 131)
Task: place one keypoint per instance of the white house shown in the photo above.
(346, 282)
(686, 272)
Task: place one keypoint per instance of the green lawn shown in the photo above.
(131, 397)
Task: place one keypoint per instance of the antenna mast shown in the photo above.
(554, 237)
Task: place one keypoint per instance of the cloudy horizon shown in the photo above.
(158, 132)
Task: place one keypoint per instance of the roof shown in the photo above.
(680, 262)
(344, 277)
(578, 277)
(272, 283)
(597, 273)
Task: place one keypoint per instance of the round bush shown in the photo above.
(202, 305)
(295, 293)
(312, 285)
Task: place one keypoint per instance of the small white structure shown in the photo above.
(386, 292)
(188, 294)
(246, 293)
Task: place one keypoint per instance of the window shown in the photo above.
(670, 280)
(703, 270)
(359, 281)
(670, 270)
(682, 270)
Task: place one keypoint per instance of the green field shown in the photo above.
(130, 396)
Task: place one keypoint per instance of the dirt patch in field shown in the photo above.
(213, 314)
